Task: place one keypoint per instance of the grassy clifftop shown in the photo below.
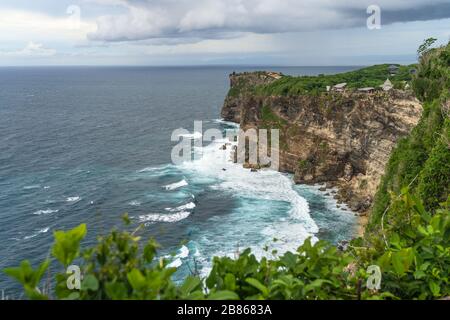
(373, 76)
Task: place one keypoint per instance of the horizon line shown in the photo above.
(197, 65)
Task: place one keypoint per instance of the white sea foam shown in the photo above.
(159, 169)
(264, 187)
(264, 184)
(156, 217)
(44, 230)
(34, 186)
(260, 216)
(184, 207)
(228, 123)
(175, 263)
(73, 199)
(176, 185)
(134, 203)
(183, 253)
(47, 211)
(179, 213)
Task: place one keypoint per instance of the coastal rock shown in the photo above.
(343, 245)
(343, 139)
(251, 166)
(355, 205)
(348, 171)
(330, 185)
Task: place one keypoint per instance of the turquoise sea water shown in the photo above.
(88, 144)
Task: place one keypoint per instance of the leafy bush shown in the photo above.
(422, 159)
(414, 264)
(434, 179)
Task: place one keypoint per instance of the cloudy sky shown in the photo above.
(201, 32)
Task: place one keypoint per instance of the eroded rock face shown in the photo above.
(240, 82)
(344, 139)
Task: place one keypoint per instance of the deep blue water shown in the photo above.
(88, 144)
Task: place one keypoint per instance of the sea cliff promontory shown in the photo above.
(338, 134)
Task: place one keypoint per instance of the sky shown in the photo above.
(216, 32)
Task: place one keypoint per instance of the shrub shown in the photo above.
(414, 264)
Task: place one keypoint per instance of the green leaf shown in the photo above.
(67, 244)
(196, 295)
(90, 282)
(289, 259)
(402, 260)
(422, 231)
(316, 284)
(258, 285)
(419, 274)
(230, 282)
(126, 219)
(116, 290)
(72, 296)
(223, 295)
(435, 288)
(190, 284)
(136, 279)
(150, 250)
(34, 293)
(395, 241)
(25, 274)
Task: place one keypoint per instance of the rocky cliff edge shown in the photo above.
(341, 139)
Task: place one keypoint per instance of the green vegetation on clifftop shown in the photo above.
(373, 76)
(422, 160)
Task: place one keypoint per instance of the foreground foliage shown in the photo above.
(414, 264)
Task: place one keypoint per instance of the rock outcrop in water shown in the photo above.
(343, 139)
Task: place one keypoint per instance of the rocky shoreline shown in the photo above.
(342, 140)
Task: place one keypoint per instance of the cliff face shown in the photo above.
(343, 139)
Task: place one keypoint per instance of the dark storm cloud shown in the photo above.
(216, 19)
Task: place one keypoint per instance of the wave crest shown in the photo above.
(176, 185)
(156, 217)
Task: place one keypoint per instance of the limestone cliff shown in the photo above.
(343, 139)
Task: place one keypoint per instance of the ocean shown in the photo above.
(88, 144)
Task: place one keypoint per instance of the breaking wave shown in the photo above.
(176, 185)
(48, 211)
(43, 230)
(156, 217)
